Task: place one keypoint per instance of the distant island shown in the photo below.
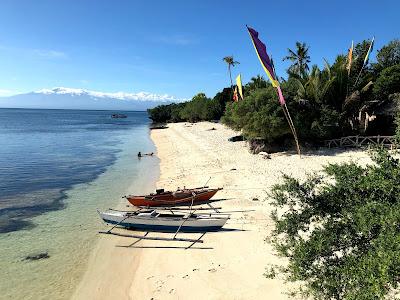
(69, 98)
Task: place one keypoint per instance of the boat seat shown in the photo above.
(148, 214)
(187, 215)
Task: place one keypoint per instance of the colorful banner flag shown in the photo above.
(268, 66)
(369, 51)
(235, 95)
(261, 51)
(239, 85)
(365, 60)
(350, 58)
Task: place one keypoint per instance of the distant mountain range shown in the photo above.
(69, 98)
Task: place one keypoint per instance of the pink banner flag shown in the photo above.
(281, 99)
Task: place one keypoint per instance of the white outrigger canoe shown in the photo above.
(153, 220)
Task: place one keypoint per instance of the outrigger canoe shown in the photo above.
(153, 220)
(178, 197)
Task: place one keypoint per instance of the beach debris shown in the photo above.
(37, 256)
(255, 199)
(265, 155)
(233, 169)
(158, 126)
(237, 138)
(213, 128)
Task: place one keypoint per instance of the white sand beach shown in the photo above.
(229, 264)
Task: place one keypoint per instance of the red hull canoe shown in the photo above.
(180, 197)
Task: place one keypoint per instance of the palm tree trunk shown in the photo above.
(230, 75)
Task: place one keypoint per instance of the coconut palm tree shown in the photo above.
(231, 62)
(300, 59)
(255, 83)
(317, 84)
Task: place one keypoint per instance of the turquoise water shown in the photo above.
(81, 162)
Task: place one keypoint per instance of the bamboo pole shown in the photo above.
(290, 122)
(286, 112)
(141, 237)
(289, 119)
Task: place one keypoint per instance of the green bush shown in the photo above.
(258, 116)
(387, 83)
(176, 112)
(200, 108)
(341, 231)
(161, 113)
(388, 56)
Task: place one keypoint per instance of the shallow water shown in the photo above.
(57, 206)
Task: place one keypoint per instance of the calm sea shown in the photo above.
(56, 168)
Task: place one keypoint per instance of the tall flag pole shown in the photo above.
(366, 58)
(239, 86)
(268, 67)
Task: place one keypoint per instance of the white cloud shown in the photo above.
(140, 96)
(49, 53)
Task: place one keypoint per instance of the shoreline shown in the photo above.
(105, 257)
(231, 263)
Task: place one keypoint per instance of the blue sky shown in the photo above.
(171, 47)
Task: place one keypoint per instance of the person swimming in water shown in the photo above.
(145, 154)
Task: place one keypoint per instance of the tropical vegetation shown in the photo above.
(325, 102)
(340, 230)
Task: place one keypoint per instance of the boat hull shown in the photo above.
(161, 224)
(169, 200)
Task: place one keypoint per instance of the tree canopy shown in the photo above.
(341, 235)
(299, 58)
